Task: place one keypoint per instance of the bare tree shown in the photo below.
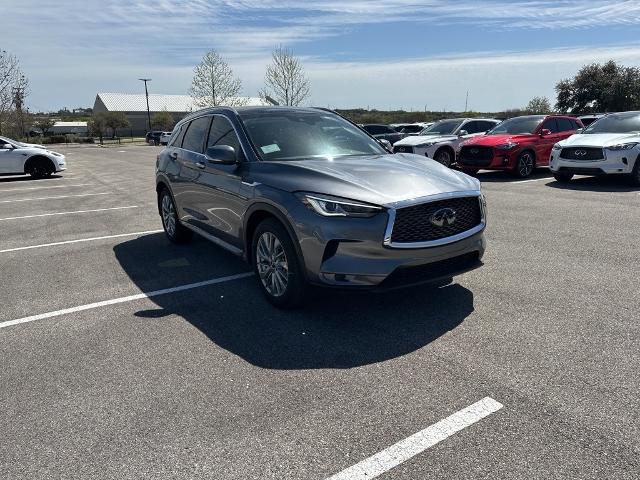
(13, 89)
(214, 83)
(285, 81)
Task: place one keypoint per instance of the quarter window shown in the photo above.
(176, 141)
(196, 134)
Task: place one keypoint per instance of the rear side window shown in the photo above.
(551, 124)
(471, 127)
(222, 133)
(565, 125)
(196, 134)
(374, 129)
(486, 125)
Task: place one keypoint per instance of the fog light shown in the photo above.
(624, 160)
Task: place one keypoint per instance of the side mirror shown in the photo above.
(221, 155)
(544, 132)
(385, 143)
(580, 130)
(462, 133)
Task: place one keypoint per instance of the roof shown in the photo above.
(137, 102)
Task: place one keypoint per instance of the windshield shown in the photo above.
(8, 140)
(617, 123)
(517, 125)
(443, 127)
(302, 134)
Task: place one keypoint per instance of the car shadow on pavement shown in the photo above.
(610, 183)
(26, 178)
(494, 176)
(335, 329)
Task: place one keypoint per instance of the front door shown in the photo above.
(11, 160)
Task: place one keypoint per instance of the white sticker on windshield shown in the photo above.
(270, 148)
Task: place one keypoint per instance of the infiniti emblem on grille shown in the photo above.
(443, 217)
(474, 150)
(580, 153)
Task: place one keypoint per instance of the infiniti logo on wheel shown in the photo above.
(443, 217)
(580, 153)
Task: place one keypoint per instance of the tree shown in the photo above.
(162, 120)
(115, 120)
(607, 87)
(98, 125)
(285, 79)
(539, 105)
(214, 83)
(44, 124)
(14, 87)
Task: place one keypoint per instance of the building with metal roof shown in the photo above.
(134, 106)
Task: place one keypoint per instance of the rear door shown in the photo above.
(546, 143)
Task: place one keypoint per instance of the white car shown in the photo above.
(165, 137)
(609, 146)
(20, 158)
(441, 140)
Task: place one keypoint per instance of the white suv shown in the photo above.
(611, 145)
(441, 141)
(17, 157)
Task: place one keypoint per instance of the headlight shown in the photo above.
(507, 146)
(557, 146)
(328, 206)
(424, 145)
(622, 146)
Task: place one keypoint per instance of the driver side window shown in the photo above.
(222, 133)
(551, 125)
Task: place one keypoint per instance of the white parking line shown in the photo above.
(532, 180)
(130, 298)
(402, 451)
(80, 240)
(6, 190)
(53, 198)
(69, 213)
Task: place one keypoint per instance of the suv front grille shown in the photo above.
(436, 220)
(582, 153)
(476, 155)
(402, 149)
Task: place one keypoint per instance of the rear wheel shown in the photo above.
(40, 168)
(175, 231)
(277, 265)
(563, 177)
(524, 165)
(444, 156)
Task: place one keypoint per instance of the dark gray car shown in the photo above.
(307, 197)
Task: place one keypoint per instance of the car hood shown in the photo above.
(600, 139)
(414, 140)
(32, 145)
(493, 140)
(377, 179)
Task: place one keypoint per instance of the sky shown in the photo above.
(388, 54)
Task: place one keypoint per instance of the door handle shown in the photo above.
(200, 165)
(173, 155)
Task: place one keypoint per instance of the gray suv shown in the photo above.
(309, 198)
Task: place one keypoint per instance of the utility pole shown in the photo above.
(466, 102)
(18, 100)
(146, 92)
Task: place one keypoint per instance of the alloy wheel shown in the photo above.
(271, 261)
(168, 215)
(444, 157)
(525, 165)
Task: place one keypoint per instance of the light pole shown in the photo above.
(146, 92)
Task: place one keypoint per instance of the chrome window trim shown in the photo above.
(393, 207)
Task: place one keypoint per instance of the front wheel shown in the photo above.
(40, 168)
(524, 165)
(444, 157)
(563, 177)
(277, 265)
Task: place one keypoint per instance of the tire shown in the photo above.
(525, 164)
(277, 266)
(443, 156)
(563, 177)
(173, 229)
(634, 178)
(40, 168)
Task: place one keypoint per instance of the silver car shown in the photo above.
(309, 198)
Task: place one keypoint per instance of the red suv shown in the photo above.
(518, 144)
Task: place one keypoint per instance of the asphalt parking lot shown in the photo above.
(100, 381)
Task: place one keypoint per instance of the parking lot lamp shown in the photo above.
(146, 92)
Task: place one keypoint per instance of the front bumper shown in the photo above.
(614, 163)
(350, 252)
(501, 160)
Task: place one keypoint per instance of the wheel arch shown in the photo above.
(35, 158)
(449, 147)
